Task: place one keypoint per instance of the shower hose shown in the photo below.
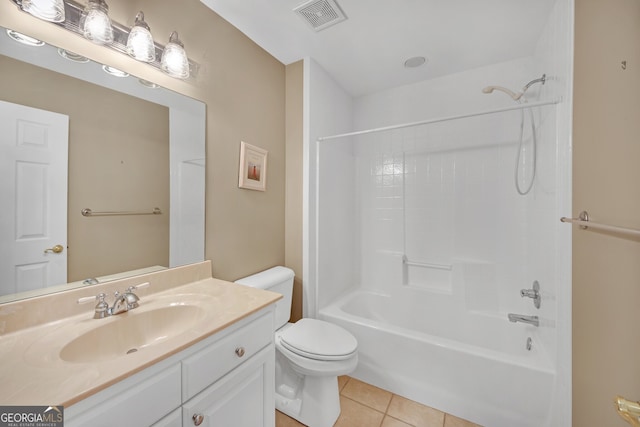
(521, 148)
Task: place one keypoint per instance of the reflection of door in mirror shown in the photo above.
(118, 160)
(33, 174)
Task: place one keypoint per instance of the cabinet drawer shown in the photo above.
(211, 363)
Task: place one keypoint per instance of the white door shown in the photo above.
(33, 196)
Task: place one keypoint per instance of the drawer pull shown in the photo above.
(240, 351)
(197, 419)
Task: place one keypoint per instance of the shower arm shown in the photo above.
(542, 80)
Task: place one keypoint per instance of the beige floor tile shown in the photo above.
(415, 413)
(354, 414)
(392, 422)
(284, 421)
(451, 421)
(342, 381)
(367, 394)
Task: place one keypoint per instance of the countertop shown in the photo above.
(32, 373)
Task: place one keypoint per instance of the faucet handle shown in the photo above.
(102, 308)
(533, 293)
(140, 286)
(100, 298)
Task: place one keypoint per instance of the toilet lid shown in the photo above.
(317, 339)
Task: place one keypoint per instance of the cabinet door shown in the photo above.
(242, 398)
(174, 419)
(142, 404)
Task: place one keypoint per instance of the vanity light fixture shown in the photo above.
(71, 56)
(114, 71)
(174, 58)
(49, 10)
(140, 41)
(148, 84)
(24, 39)
(92, 21)
(96, 24)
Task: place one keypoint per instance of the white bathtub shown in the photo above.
(473, 365)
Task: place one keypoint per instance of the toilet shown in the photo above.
(310, 355)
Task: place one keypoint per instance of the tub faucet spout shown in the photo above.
(532, 320)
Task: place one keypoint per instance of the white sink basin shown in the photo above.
(129, 332)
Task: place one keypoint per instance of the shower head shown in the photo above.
(515, 96)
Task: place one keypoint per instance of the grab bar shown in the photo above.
(584, 223)
(427, 264)
(89, 212)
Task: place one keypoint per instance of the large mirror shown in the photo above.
(131, 153)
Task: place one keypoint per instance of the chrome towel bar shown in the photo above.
(584, 223)
(89, 212)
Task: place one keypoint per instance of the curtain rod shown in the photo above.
(442, 119)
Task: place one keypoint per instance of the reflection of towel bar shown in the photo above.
(89, 212)
(426, 264)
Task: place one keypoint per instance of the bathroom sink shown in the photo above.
(131, 332)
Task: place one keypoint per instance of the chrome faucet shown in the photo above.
(123, 302)
(532, 320)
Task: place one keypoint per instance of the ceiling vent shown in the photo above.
(320, 14)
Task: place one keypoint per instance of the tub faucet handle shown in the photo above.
(532, 293)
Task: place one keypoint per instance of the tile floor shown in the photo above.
(363, 405)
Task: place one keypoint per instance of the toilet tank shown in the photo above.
(276, 279)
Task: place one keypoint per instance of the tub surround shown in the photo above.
(32, 375)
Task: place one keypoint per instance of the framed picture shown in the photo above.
(253, 167)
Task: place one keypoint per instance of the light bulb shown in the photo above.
(49, 10)
(96, 24)
(140, 41)
(174, 58)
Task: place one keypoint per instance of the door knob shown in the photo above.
(56, 249)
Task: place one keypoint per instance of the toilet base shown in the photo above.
(317, 403)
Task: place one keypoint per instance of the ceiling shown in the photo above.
(366, 52)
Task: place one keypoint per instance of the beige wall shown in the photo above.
(606, 268)
(293, 200)
(244, 89)
(118, 160)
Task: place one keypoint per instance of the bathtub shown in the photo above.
(473, 365)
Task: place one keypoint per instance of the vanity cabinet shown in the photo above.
(237, 399)
(225, 380)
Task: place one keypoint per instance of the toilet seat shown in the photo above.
(319, 340)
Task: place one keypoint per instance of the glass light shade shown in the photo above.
(174, 58)
(72, 56)
(49, 10)
(114, 71)
(96, 25)
(140, 41)
(24, 39)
